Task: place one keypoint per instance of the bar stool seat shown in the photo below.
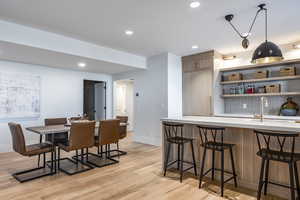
(179, 140)
(278, 156)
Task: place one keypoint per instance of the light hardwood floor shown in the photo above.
(138, 176)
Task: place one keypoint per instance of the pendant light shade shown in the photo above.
(267, 52)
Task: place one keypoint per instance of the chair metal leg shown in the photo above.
(194, 160)
(297, 179)
(87, 154)
(181, 163)
(58, 157)
(213, 165)
(266, 178)
(44, 160)
(39, 158)
(167, 158)
(52, 163)
(202, 167)
(233, 167)
(291, 169)
(77, 157)
(222, 173)
(178, 156)
(261, 182)
(82, 154)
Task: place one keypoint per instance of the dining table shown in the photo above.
(57, 129)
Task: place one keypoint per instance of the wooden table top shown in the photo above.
(44, 130)
(55, 129)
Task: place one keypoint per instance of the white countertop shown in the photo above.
(265, 116)
(267, 124)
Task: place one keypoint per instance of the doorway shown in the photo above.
(124, 100)
(94, 99)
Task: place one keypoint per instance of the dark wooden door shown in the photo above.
(89, 104)
(89, 99)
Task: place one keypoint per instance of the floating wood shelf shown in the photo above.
(260, 95)
(281, 78)
(245, 67)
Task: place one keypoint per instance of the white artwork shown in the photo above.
(19, 95)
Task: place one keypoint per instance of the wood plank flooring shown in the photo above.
(137, 177)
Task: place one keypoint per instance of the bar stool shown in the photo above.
(273, 146)
(212, 139)
(174, 135)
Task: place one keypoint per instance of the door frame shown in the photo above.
(105, 94)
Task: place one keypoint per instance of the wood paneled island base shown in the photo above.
(247, 163)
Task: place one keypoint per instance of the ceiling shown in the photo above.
(31, 55)
(158, 25)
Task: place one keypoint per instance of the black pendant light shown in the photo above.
(266, 52)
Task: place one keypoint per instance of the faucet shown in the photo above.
(263, 103)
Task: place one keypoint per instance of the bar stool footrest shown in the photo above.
(278, 184)
(187, 162)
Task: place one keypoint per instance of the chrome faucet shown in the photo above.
(263, 103)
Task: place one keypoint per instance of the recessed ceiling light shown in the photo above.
(81, 64)
(129, 32)
(195, 47)
(229, 57)
(297, 45)
(194, 4)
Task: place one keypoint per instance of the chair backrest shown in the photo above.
(211, 134)
(123, 119)
(172, 129)
(82, 135)
(275, 141)
(109, 131)
(55, 121)
(18, 139)
(123, 128)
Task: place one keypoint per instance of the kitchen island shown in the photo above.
(239, 131)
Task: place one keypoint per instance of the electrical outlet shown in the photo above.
(244, 106)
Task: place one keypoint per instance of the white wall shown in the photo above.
(152, 104)
(61, 96)
(174, 86)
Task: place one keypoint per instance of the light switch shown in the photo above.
(244, 106)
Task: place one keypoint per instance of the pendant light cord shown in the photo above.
(266, 17)
(252, 24)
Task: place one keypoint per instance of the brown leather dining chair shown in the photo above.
(81, 137)
(19, 146)
(58, 138)
(61, 137)
(108, 134)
